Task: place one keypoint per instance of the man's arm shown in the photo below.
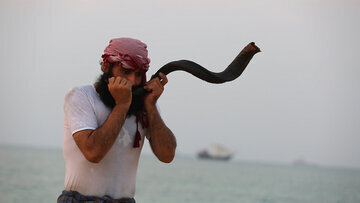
(94, 144)
(162, 140)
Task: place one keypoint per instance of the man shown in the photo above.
(105, 127)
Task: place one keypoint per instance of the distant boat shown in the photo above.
(215, 152)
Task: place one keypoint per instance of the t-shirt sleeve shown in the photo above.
(78, 111)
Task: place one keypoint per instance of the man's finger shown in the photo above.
(164, 79)
(155, 83)
(117, 80)
(123, 82)
(128, 83)
(111, 80)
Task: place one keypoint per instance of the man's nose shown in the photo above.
(131, 77)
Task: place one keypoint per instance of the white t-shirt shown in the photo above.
(115, 174)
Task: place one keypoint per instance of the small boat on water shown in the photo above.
(215, 152)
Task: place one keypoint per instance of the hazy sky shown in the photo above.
(298, 98)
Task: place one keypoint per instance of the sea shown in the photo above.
(37, 175)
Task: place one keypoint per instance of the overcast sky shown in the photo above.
(298, 99)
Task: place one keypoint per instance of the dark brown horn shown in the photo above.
(233, 71)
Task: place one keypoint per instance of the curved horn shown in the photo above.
(233, 71)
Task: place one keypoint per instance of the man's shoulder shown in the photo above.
(81, 89)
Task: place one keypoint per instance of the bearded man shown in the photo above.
(105, 127)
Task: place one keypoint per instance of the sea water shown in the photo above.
(37, 175)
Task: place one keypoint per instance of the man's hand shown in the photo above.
(162, 140)
(120, 90)
(156, 88)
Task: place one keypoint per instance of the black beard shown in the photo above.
(102, 89)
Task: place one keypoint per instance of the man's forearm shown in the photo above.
(95, 144)
(162, 140)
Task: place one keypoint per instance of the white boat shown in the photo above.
(215, 152)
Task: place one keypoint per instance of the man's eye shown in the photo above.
(126, 71)
(138, 74)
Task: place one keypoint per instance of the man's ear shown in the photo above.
(105, 67)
